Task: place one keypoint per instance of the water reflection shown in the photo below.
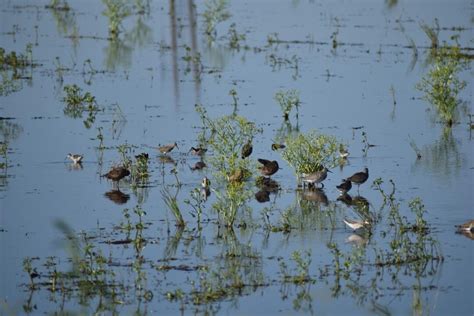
(117, 196)
(442, 158)
(74, 166)
(314, 195)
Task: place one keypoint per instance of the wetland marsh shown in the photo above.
(146, 224)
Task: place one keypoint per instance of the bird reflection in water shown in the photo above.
(315, 195)
(117, 196)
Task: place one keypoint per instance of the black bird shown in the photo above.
(262, 196)
(269, 167)
(247, 149)
(359, 177)
(345, 186)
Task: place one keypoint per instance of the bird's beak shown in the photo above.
(330, 171)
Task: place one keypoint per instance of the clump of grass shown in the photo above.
(78, 102)
(308, 153)
(116, 11)
(172, 203)
(216, 12)
(288, 100)
(442, 84)
(301, 274)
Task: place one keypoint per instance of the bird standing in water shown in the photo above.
(345, 186)
(315, 177)
(268, 167)
(356, 224)
(167, 148)
(76, 158)
(359, 177)
(116, 174)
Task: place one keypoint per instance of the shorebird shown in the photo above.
(247, 149)
(205, 190)
(277, 146)
(116, 174)
(343, 153)
(356, 224)
(466, 227)
(236, 177)
(199, 151)
(359, 177)
(345, 186)
(167, 148)
(76, 158)
(315, 177)
(262, 196)
(269, 167)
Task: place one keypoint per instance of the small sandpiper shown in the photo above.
(345, 186)
(356, 224)
(247, 149)
(167, 148)
(343, 153)
(199, 151)
(269, 167)
(359, 177)
(466, 227)
(205, 188)
(315, 177)
(76, 158)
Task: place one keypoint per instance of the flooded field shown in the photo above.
(180, 110)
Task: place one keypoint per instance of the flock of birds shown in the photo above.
(267, 169)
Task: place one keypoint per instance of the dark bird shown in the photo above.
(276, 146)
(142, 156)
(269, 167)
(345, 186)
(198, 166)
(247, 149)
(116, 174)
(199, 151)
(167, 148)
(267, 184)
(315, 177)
(359, 177)
(262, 196)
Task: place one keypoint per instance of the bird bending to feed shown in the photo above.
(345, 186)
(315, 177)
(355, 224)
(76, 158)
(167, 148)
(467, 227)
(276, 146)
(199, 151)
(269, 167)
(247, 149)
(343, 153)
(359, 177)
(117, 173)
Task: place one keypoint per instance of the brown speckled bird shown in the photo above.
(167, 148)
(269, 167)
(116, 174)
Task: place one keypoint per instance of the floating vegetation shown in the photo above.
(308, 153)
(301, 274)
(12, 68)
(442, 84)
(77, 103)
(216, 12)
(288, 100)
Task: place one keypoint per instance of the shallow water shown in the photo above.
(144, 77)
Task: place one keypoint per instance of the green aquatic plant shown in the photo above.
(171, 202)
(116, 11)
(288, 100)
(308, 153)
(432, 33)
(301, 272)
(216, 12)
(78, 102)
(442, 85)
(234, 37)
